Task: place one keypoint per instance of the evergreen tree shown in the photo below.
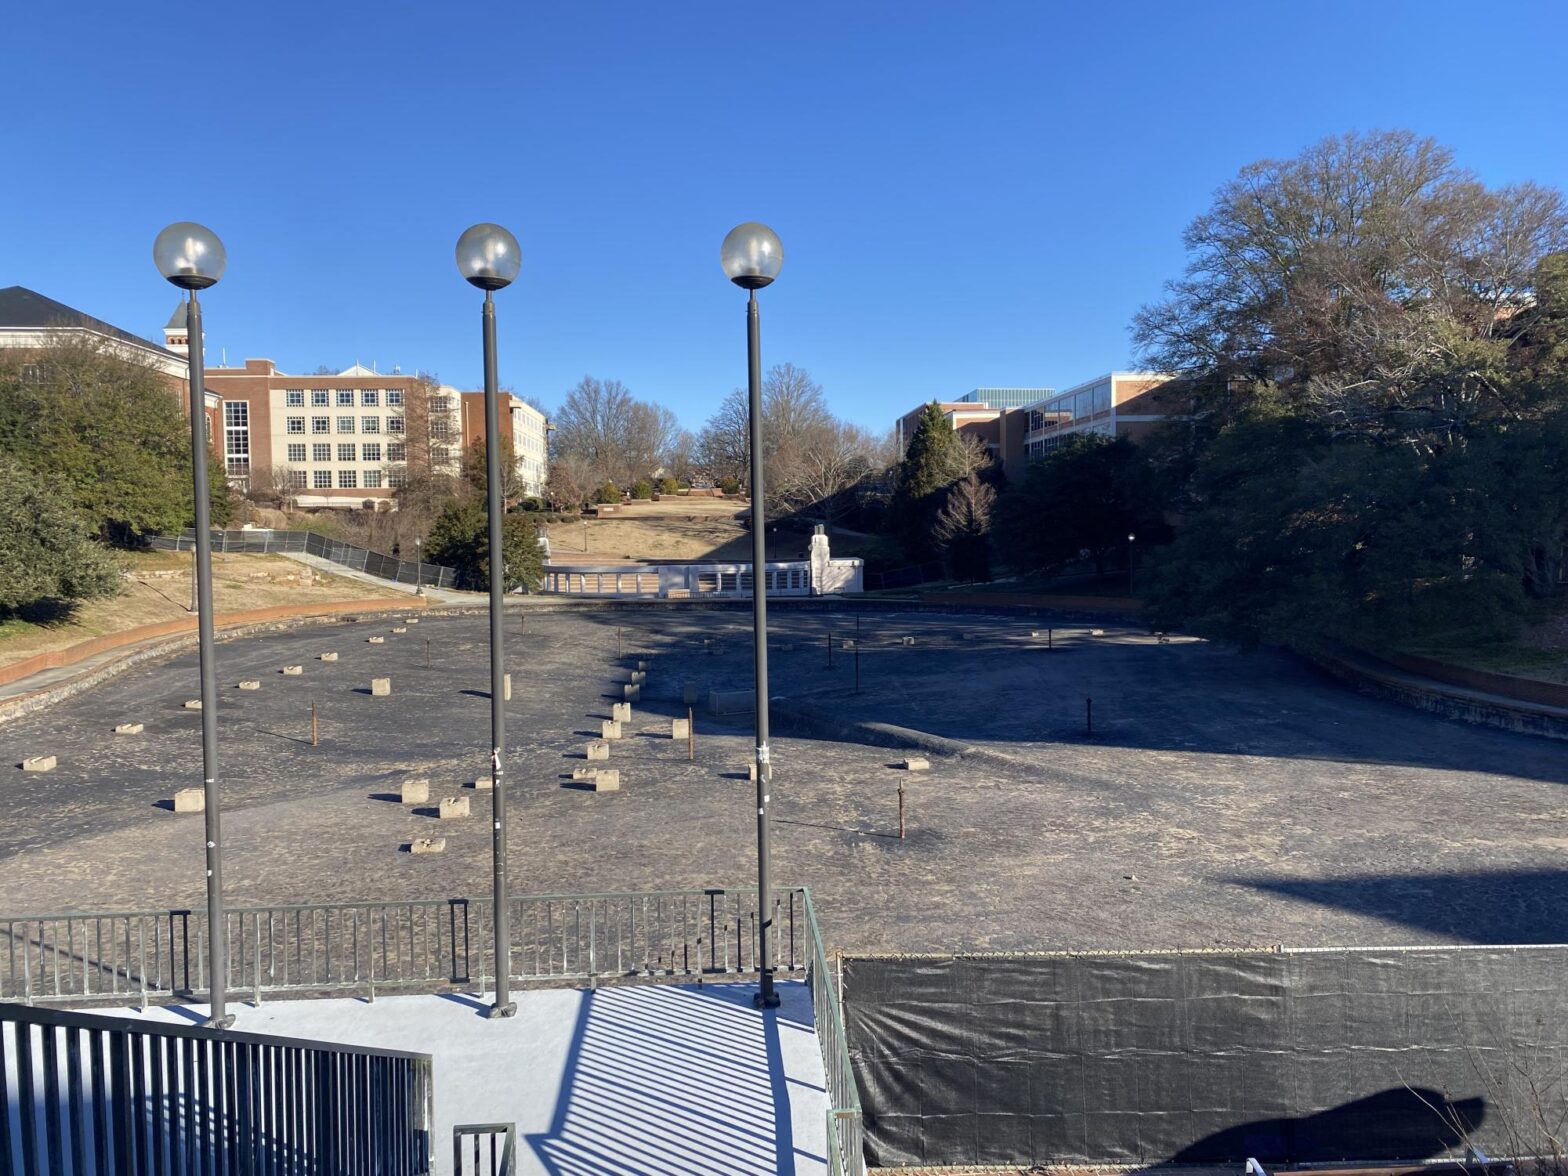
(47, 556)
(460, 539)
(935, 459)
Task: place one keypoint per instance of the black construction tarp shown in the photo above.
(1296, 1056)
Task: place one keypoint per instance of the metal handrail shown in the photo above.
(845, 1122)
(501, 1164)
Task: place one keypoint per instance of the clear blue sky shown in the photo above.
(968, 193)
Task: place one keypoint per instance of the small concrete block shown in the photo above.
(375, 640)
(585, 773)
(293, 671)
(751, 771)
(411, 620)
(506, 687)
(621, 712)
(644, 666)
(329, 657)
(608, 780)
(484, 783)
(917, 765)
(416, 792)
(193, 704)
(691, 694)
(847, 643)
(128, 729)
(38, 763)
(908, 640)
(610, 729)
(190, 800)
(638, 677)
(598, 750)
(1097, 632)
(380, 687)
(680, 729)
(632, 692)
(400, 628)
(453, 807)
(427, 845)
(250, 684)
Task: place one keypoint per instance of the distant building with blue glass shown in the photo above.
(1005, 397)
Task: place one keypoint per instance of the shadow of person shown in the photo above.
(1401, 1123)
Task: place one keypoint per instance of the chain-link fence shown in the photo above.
(265, 542)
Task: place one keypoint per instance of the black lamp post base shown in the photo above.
(765, 1000)
(223, 1022)
(498, 1011)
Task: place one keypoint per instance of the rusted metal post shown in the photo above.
(315, 730)
(427, 653)
(901, 810)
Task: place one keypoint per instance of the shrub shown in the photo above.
(643, 489)
(608, 494)
(730, 484)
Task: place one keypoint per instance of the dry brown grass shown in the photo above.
(663, 531)
(159, 589)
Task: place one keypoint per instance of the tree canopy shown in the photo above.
(48, 557)
(460, 539)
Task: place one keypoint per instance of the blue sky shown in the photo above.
(968, 193)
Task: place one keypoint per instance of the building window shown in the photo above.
(394, 424)
(296, 426)
(296, 479)
(395, 451)
(294, 398)
(236, 437)
(370, 452)
(440, 454)
(297, 452)
(372, 479)
(345, 398)
(369, 398)
(345, 424)
(321, 451)
(346, 451)
(319, 398)
(397, 479)
(441, 427)
(394, 397)
(321, 479)
(321, 424)
(370, 424)
(440, 404)
(348, 480)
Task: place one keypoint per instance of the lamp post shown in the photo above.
(192, 257)
(752, 256)
(488, 257)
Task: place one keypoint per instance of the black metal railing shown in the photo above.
(105, 1095)
(846, 1131)
(484, 1149)
(360, 559)
(146, 956)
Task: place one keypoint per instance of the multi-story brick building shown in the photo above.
(524, 426)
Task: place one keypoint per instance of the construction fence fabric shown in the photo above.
(1282, 1056)
(264, 542)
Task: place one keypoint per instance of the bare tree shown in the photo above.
(618, 437)
(963, 526)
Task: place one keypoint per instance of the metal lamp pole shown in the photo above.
(192, 257)
(751, 256)
(488, 256)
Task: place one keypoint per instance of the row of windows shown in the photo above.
(346, 480)
(346, 451)
(321, 424)
(344, 397)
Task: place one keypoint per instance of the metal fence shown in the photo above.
(264, 542)
(905, 577)
(484, 1149)
(846, 1130)
(106, 1096)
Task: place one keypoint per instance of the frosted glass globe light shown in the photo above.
(189, 255)
(751, 255)
(488, 256)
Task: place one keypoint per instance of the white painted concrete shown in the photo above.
(632, 1081)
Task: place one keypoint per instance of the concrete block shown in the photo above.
(453, 807)
(38, 763)
(400, 628)
(329, 657)
(484, 783)
(847, 643)
(610, 729)
(638, 677)
(1097, 632)
(293, 671)
(643, 665)
(608, 780)
(128, 729)
(193, 704)
(632, 692)
(598, 750)
(691, 693)
(416, 791)
(190, 800)
(411, 620)
(680, 729)
(375, 640)
(751, 771)
(621, 712)
(917, 765)
(380, 687)
(506, 687)
(907, 640)
(250, 684)
(731, 702)
(427, 845)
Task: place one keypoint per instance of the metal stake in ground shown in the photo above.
(751, 256)
(857, 664)
(901, 810)
(488, 257)
(315, 731)
(192, 258)
(1088, 716)
(691, 737)
(427, 653)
